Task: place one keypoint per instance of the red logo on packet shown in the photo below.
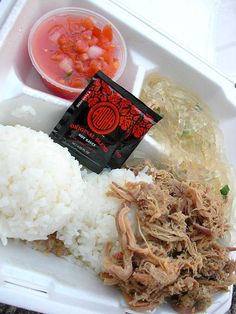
(103, 118)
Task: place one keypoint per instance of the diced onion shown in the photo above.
(66, 65)
(95, 52)
(54, 37)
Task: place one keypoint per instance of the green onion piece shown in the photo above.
(158, 110)
(198, 108)
(67, 75)
(225, 190)
(186, 134)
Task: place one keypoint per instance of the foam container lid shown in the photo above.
(49, 284)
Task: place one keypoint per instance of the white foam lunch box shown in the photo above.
(46, 283)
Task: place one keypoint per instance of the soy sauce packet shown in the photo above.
(104, 124)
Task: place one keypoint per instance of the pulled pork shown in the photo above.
(175, 256)
(51, 245)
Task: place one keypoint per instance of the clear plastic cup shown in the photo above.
(56, 87)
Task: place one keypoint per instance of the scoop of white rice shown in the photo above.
(93, 224)
(40, 184)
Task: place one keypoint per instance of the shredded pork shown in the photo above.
(176, 255)
(51, 245)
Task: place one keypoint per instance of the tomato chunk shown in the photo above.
(88, 23)
(81, 46)
(107, 32)
(97, 32)
(76, 82)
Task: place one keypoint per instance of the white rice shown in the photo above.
(93, 224)
(40, 184)
(42, 191)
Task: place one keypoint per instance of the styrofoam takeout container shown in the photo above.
(50, 284)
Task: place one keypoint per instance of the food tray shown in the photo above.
(49, 284)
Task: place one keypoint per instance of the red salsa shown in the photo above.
(71, 49)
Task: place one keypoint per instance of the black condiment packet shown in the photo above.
(104, 124)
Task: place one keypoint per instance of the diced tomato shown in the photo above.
(114, 67)
(116, 64)
(94, 66)
(55, 32)
(79, 66)
(58, 56)
(107, 32)
(104, 66)
(111, 49)
(88, 23)
(105, 44)
(76, 82)
(93, 41)
(62, 40)
(74, 25)
(84, 56)
(87, 35)
(81, 46)
(73, 55)
(108, 72)
(97, 32)
(107, 57)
